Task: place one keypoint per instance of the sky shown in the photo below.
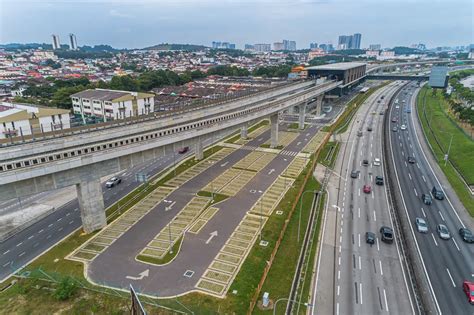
(142, 23)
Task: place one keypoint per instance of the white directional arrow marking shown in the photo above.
(299, 142)
(224, 164)
(212, 235)
(141, 275)
(271, 171)
(170, 206)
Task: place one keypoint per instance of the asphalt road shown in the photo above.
(25, 246)
(446, 262)
(365, 279)
(117, 262)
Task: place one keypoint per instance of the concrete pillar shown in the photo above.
(243, 132)
(91, 203)
(274, 130)
(198, 149)
(302, 114)
(319, 104)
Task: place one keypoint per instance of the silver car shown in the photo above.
(443, 232)
(421, 225)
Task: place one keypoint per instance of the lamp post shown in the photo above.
(301, 207)
(287, 299)
(446, 156)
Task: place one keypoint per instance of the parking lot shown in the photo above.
(272, 196)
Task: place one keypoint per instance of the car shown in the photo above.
(381, 112)
(114, 181)
(408, 110)
(426, 198)
(379, 180)
(378, 101)
(382, 97)
(437, 193)
(183, 150)
(354, 174)
(466, 235)
(397, 107)
(369, 128)
(394, 119)
(468, 288)
(411, 159)
(377, 162)
(403, 101)
(403, 127)
(421, 225)
(365, 162)
(395, 129)
(367, 189)
(443, 232)
(359, 133)
(387, 234)
(370, 238)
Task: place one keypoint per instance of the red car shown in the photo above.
(468, 288)
(367, 189)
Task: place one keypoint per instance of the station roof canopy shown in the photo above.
(338, 66)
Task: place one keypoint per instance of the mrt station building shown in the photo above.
(350, 73)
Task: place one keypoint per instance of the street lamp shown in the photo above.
(446, 156)
(301, 207)
(287, 299)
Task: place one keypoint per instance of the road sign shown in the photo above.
(141, 177)
(137, 307)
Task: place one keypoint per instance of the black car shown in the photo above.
(370, 238)
(354, 174)
(466, 235)
(379, 180)
(395, 129)
(437, 193)
(365, 162)
(411, 160)
(426, 198)
(387, 234)
(369, 128)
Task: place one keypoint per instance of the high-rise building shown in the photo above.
(356, 39)
(262, 47)
(56, 43)
(223, 45)
(313, 45)
(289, 45)
(278, 46)
(72, 42)
(375, 47)
(249, 47)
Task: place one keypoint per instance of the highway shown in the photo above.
(25, 246)
(446, 263)
(354, 277)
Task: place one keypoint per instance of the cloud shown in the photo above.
(116, 13)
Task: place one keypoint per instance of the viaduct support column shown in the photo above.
(91, 203)
(302, 114)
(274, 130)
(319, 104)
(198, 149)
(243, 132)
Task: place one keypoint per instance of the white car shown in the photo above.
(377, 162)
(397, 107)
(403, 127)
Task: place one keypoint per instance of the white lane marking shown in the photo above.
(338, 274)
(337, 308)
(68, 214)
(436, 243)
(31, 237)
(60, 229)
(424, 179)
(424, 214)
(70, 222)
(406, 164)
(441, 215)
(360, 263)
(373, 196)
(23, 253)
(40, 231)
(360, 288)
(338, 290)
(375, 218)
(381, 270)
(449, 274)
(416, 193)
(359, 192)
(339, 260)
(359, 241)
(49, 236)
(19, 244)
(358, 210)
(409, 175)
(6, 264)
(50, 225)
(385, 297)
(403, 153)
(6, 252)
(378, 248)
(456, 244)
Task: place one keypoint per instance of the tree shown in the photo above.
(62, 97)
(125, 83)
(65, 289)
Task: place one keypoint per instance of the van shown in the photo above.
(437, 193)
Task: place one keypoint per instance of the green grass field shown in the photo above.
(462, 148)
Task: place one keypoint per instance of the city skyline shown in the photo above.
(122, 24)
